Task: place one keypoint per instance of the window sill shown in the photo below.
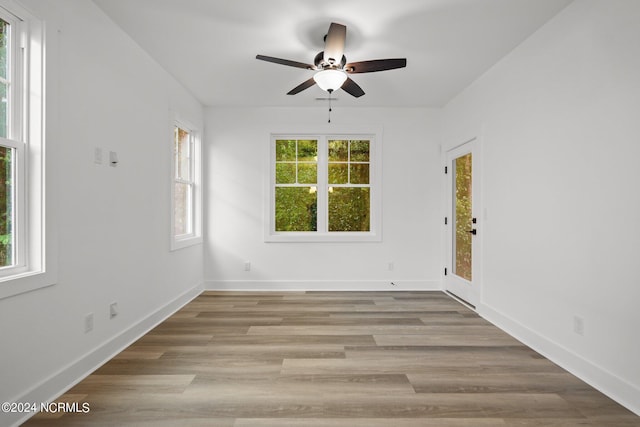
(24, 282)
(301, 237)
(185, 242)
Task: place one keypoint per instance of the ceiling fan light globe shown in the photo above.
(330, 80)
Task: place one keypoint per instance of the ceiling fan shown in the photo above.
(332, 67)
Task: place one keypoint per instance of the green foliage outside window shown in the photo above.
(348, 191)
(463, 217)
(296, 204)
(349, 209)
(359, 174)
(6, 206)
(296, 209)
(349, 205)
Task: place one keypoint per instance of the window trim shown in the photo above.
(33, 270)
(195, 237)
(323, 134)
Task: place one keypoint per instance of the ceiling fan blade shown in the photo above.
(352, 88)
(375, 65)
(302, 86)
(334, 43)
(286, 62)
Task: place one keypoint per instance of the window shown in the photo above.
(10, 144)
(185, 191)
(323, 188)
(22, 151)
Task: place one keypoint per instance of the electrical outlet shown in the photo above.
(113, 310)
(88, 322)
(247, 266)
(578, 325)
(391, 266)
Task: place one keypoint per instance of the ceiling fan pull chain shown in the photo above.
(330, 91)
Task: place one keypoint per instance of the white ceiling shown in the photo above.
(210, 45)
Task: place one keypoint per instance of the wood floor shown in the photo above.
(333, 359)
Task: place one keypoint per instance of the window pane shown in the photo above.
(183, 154)
(285, 150)
(296, 209)
(307, 173)
(285, 173)
(4, 75)
(349, 209)
(307, 151)
(182, 209)
(4, 116)
(4, 48)
(359, 151)
(338, 173)
(6, 206)
(463, 217)
(338, 151)
(360, 173)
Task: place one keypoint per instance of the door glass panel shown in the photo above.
(462, 217)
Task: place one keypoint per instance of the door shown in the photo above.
(462, 278)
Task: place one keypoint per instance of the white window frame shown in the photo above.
(194, 237)
(26, 136)
(322, 234)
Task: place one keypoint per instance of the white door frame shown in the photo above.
(465, 290)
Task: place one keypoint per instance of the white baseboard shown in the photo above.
(58, 383)
(322, 285)
(607, 383)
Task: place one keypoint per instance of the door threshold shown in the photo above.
(462, 300)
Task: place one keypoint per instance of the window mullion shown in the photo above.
(322, 185)
(349, 161)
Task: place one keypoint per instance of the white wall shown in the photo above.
(112, 223)
(559, 122)
(236, 159)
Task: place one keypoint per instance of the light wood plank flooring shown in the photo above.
(333, 359)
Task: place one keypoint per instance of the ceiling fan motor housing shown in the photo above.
(322, 65)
